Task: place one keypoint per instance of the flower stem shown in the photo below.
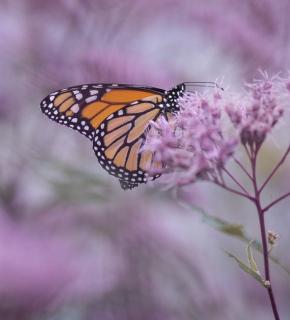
(236, 181)
(260, 211)
(275, 168)
(243, 168)
(224, 186)
(276, 201)
(266, 261)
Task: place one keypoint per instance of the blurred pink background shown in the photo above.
(72, 244)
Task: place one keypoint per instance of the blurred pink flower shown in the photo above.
(254, 31)
(155, 256)
(33, 270)
(41, 270)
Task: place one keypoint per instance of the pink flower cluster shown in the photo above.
(195, 144)
(255, 114)
(192, 143)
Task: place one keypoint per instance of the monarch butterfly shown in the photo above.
(116, 118)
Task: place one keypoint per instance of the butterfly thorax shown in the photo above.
(171, 98)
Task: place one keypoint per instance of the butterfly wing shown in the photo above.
(84, 107)
(119, 140)
(115, 117)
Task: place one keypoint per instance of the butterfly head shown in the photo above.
(172, 96)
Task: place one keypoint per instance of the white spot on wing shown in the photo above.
(90, 99)
(75, 108)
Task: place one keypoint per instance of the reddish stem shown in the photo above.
(236, 181)
(247, 151)
(276, 201)
(275, 169)
(243, 168)
(266, 261)
(257, 201)
(224, 186)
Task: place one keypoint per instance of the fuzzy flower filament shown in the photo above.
(195, 144)
(192, 144)
(255, 114)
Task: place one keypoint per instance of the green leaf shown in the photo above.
(251, 259)
(233, 230)
(256, 275)
(74, 184)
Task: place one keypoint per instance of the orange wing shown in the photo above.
(115, 117)
(119, 140)
(85, 107)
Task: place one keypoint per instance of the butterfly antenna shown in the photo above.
(207, 84)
